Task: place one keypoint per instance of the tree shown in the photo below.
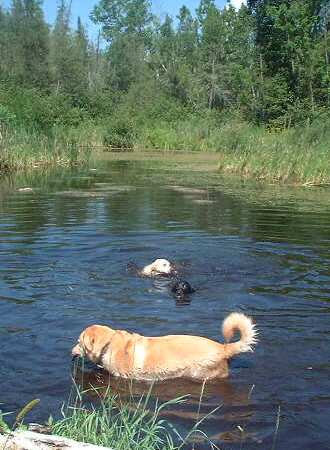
(4, 43)
(214, 53)
(61, 48)
(125, 26)
(81, 59)
(70, 56)
(29, 42)
(187, 36)
(122, 16)
(164, 54)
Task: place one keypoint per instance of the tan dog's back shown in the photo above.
(180, 356)
(131, 355)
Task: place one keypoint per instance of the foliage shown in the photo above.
(24, 411)
(160, 83)
(268, 60)
(133, 423)
(18, 423)
(6, 116)
(4, 427)
(119, 134)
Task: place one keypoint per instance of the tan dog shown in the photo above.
(130, 355)
(158, 267)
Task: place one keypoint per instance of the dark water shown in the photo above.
(64, 249)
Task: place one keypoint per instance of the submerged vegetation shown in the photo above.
(251, 84)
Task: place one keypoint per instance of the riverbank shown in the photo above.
(299, 156)
(22, 148)
(117, 423)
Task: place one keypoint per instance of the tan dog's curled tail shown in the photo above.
(242, 323)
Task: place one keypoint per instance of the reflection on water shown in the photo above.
(64, 248)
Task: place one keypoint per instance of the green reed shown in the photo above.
(298, 155)
(130, 424)
(22, 149)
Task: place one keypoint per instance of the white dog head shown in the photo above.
(158, 267)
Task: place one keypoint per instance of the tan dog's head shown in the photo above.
(159, 267)
(93, 343)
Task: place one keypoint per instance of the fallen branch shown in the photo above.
(28, 440)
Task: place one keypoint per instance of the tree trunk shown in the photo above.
(212, 91)
(326, 55)
(311, 94)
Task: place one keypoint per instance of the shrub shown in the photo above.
(6, 116)
(120, 134)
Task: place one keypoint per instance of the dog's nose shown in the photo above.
(76, 351)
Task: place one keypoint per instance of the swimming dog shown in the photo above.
(160, 267)
(181, 289)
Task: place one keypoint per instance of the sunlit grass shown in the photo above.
(124, 425)
(299, 155)
(22, 149)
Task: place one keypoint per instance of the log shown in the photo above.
(29, 440)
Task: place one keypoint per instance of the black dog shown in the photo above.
(181, 289)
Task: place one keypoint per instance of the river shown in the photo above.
(262, 250)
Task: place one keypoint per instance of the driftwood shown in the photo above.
(28, 440)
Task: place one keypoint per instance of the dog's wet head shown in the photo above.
(181, 289)
(92, 343)
(163, 266)
(159, 267)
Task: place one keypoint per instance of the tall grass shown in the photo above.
(299, 155)
(21, 148)
(128, 424)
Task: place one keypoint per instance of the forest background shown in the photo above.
(250, 83)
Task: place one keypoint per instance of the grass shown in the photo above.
(117, 426)
(23, 149)
(124, 425)
(298, 155)
(19, 420)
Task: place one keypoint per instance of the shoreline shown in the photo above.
(260, 163)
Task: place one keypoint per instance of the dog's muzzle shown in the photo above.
(76, 351)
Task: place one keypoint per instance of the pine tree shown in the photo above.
(29, 46)
(4, 44)
(60, 57)
(81, 59)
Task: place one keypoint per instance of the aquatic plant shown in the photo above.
(21, 148)
(123, 424)
(298, 155)
(24, 411)
(18, 423)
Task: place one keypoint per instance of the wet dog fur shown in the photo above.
(133, 356)
(159, 267)
(181, 289)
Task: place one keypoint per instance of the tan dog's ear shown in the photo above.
(88, 338)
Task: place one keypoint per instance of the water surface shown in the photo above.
(264, 251)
